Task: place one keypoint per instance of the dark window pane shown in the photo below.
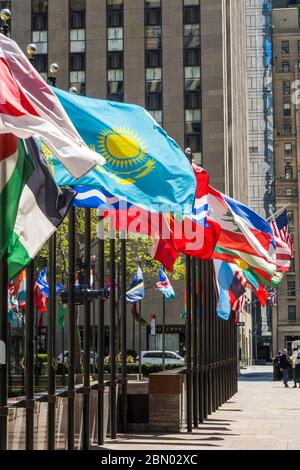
(286, 87)
(77, 19)
(153, 101)
(292, 312)
(194, 142)
(77, 62)
(191, 14)
(192, 57)
(115, 18)
(153, 86)
(286, 67)
(115, 60)
(153, 58)
(41, 62)
(291, 287)
(285, 47)
(152, 16)
(192, 100)
(115, 87)
(116, 97)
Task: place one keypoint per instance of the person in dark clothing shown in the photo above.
(285, 364)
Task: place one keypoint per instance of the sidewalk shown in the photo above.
(263, 415)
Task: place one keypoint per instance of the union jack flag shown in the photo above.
(284, 241)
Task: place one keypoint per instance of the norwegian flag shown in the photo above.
(284, 241)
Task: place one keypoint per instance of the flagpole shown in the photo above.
(112, 338)
(273, 216)
(164, 333)
(124, 334)
(188, 327)
(5, 16)
(29, 377)
(100, 305)
(194, 342)
(140, 340)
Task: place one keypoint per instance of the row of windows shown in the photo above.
(115, 47)
(286, 67)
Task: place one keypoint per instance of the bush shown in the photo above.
(42, 364)
(20, 391)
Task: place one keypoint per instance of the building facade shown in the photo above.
(261, 151)
(286, 73)
(184, 60)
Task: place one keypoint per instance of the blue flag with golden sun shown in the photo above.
(143, 164)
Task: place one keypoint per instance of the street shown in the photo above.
(262, 416)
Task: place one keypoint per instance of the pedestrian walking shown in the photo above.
(285, 364)
(296, 367)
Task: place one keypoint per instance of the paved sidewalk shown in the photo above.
(263, 415)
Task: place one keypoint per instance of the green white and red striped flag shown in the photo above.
(41, 209)
(15, 169)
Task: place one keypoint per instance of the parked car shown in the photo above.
(156, 357)
(66, 356)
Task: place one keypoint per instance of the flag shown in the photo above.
(40, 299)
(15, 169)
(164, 285)
(41, 209)
(273, 297)
(284, 241)
(20, 289)
(230, 285)
(43, 285)
(61, 316)
(143, 164)
(98, 198)
(136, 315)
(29, 107)
(246, 239)
(136, 291)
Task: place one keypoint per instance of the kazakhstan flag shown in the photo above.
(143, 164)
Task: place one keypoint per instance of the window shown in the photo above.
(115, 39)
(253, 150)
(298, 47)
(115, 13)
(192, 100)
(153, 37)
(115, 82)
(287, 110)
(77, 14)
(191, 14)
(288, 149)
(286, 67)
(157, 115)
(288, 172)
(39, 15)
(40, 39)
(153, 58)
(191, 35)
(192, 78)
(289, 192)
(41, 63)
(77, 79)
(192, 57)
(192, 121)
(193, 141)
(115, 60)
(285, 47)
(153, 101)
(292, 313)
(77, 62)
(77, 40)
(152, 13)
(293, 266)
(291, 288)
(153, 80)
(286, 87)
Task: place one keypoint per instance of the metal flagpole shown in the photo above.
(72, 330)
(51, 343)
(86, 333)
(194, 341)
(100, 305)
(112, 338)
(29, 345)
(5, 16)
(123, 334)
(164, 334)
(205, 339)
(140, 340)
(189, 391)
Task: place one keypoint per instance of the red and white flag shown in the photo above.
(284, 241)
(28, 107)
